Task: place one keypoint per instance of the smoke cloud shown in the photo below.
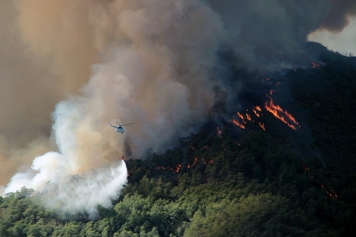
(338, 29)
(71, 194)
(28, 94)
(270, 35)
(149, 74)
(339, 15)
(147, 62)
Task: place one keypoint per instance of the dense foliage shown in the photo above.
(251, 183)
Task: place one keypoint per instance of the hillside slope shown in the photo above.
(240, 182)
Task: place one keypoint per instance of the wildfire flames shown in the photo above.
(206, 162)
(248, 117)
(218, 130)
(270, 106)
(255, 112)
(234, 121)
(179, 166)
(194, 163)
(281, 114)
(330, 192)
(241, 116)
(315, 65)
(176, 169)
(262, 126)
(318, 65)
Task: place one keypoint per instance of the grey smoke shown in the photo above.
(340, 14)
(270, 34)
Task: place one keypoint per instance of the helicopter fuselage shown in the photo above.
(120, 129)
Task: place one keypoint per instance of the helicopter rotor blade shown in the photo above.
(127, 124)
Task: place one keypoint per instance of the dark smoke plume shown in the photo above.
(340, 14)
(270, 35)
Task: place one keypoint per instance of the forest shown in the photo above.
(234, 181)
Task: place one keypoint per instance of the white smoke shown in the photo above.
(69, 194)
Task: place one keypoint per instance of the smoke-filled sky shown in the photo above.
(338, 31)
(67, 67)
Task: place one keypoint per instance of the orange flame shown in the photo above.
(258, 108)
(255, 112)
(241, 116)
(262, 126)
(330, 192)
(315, 65)
(219, 131)
(238, 124)
(178, 168)
(276, 109)
(194, 163)
(207, 162)
(291, 117)
(248, 117)
(266, 80)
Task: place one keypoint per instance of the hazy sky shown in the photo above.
(343, 42)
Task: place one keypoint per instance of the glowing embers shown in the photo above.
(175, 169)
(244, 117)
(315, 65)
(330, 192)
(194, 163)
(248, 117)
(281, 114)
(256, 113)
(270, 106)
(219, 131)
(207, 162)
(178, 167)
(234, 121)
(241, 117)
(262, 125)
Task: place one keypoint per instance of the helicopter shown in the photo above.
(119, 127)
